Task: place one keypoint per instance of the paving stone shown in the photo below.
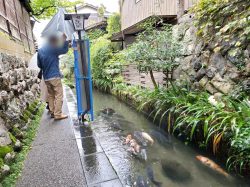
(56, 164)
(88, 145)
(97, 168)
(123, 163)
(112, 183)
(109, 140)
(54, 131)
(82, 131)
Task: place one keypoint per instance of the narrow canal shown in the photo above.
(164, 162)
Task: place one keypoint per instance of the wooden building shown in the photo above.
(134, 12)
(95, 21)
(16, 36)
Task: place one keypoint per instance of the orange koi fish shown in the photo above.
(211, 164)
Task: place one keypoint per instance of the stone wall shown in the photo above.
(205, 67)
(18, 88)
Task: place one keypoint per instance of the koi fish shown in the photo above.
(135, 145)
(137, 150)
(139, 138)
(132, 149)
(148, 137)
(211, 164)
(162, 138)
(128, 139)
(143, 138)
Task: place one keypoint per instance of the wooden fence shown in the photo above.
(15, 21)
(133, 77)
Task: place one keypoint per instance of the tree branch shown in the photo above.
(42, 11)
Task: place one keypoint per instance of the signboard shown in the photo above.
(78, 21)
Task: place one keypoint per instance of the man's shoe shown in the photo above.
(62, 116)
(47, 106)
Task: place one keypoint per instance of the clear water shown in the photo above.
(182, 167)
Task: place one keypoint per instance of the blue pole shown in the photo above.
(79, 78)
(77, 75)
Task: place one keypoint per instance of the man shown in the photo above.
(48, 62)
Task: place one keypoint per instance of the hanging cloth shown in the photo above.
(58, 24)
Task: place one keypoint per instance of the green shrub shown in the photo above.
(101, 52)
(67, 65)
(94, 34)
(154, 50)
(16, 132)
(106, 65)
(13, 138)
(4, 150)
(31, 108)
(1, 162)
(27, 113)
(69, 83)
(114, 24)
(34, 104)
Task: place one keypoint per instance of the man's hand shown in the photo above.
(64, 37)
(70, 44)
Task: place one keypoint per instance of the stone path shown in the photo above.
(65, 153)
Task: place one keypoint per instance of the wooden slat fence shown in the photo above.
(133, 77)
(15, 21)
